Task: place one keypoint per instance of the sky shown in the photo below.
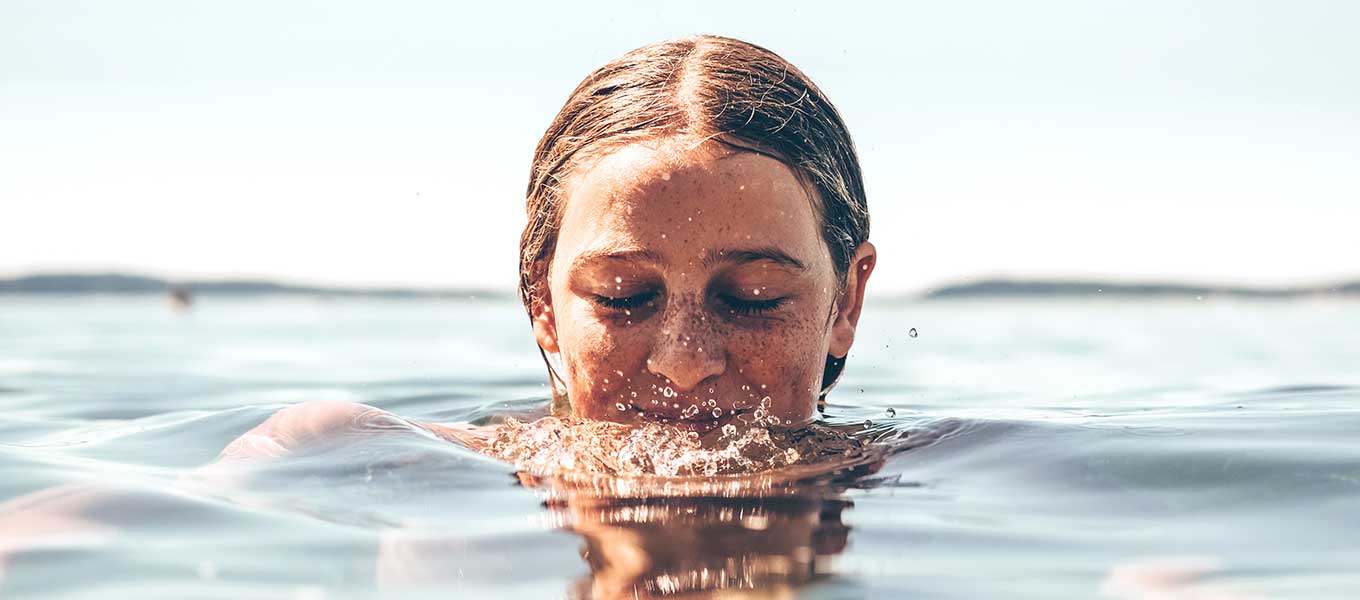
(363, 143)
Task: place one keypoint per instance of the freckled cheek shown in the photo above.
(787, 359)
(595, 351)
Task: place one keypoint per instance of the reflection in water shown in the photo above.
(657, 547)
(752, 534)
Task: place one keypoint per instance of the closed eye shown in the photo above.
(624, 302)
(750, 307)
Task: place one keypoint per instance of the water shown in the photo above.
(1041, 449)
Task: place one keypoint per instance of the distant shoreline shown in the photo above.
(1090, 288)
(126, 284)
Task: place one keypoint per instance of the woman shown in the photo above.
(697, 237)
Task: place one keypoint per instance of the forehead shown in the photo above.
(673, 199)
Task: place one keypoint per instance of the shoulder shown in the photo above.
(302, 425)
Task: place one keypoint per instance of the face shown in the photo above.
(692, 286)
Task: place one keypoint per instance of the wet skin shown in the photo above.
(689, 284)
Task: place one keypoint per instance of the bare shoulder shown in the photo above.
(300, 425)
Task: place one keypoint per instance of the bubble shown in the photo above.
(912, 333)
(717, 412)
(868, 423)
(668, 392)
(690, 412)
(729, 430)
(891, 412)
(620, 406)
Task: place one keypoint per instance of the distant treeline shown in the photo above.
(116, 283)
(1006, 287)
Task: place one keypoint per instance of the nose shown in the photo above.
(688, 350)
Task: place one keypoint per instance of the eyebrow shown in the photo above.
(614, 253)
(711, 258)
(751, 255)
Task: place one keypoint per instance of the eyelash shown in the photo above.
(751, 307)
(627, 302)
(736, 305)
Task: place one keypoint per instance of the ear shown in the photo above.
(845, 320)
(545, 325)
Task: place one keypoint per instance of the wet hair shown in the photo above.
(732, 92)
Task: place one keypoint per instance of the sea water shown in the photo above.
(1080, 448)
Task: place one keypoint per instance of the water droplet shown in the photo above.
(620, 406)
(717, 412)
(756, 291)
(729, 430)
(891, 412)
(666, 176)
(618, 279)
(912, 333)
(668, 392)
(690, 412)
(868, 423)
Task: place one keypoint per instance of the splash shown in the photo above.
(556, 445)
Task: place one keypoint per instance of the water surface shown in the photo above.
(1058, 449)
